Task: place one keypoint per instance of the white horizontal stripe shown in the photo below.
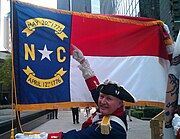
(144, 76)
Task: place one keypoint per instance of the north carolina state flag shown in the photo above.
(129, 50)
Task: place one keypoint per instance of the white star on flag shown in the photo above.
(45, 53)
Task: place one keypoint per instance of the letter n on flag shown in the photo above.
(129, 50)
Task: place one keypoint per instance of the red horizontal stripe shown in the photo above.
(98, 37)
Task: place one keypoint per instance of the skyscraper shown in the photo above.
(77, 6)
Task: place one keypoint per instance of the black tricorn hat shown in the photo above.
(112, 88)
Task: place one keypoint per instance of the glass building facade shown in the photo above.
(128, 7)
(75, 5)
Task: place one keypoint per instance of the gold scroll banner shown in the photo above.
(44, 83)
(43, 22)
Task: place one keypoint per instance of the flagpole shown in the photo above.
(12, 80)
(13, 84)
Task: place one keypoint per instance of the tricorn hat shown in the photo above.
(112, 88)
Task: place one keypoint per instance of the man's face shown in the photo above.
(108, 104)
